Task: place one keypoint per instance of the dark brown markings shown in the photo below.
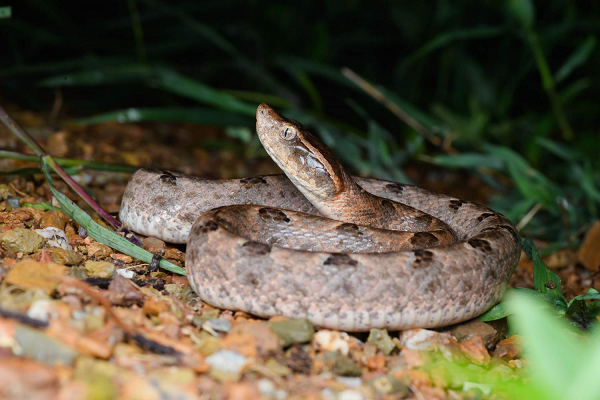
(423, 239)
(492, 275)
(424, 220)
(349, 228)
(422, 258)
(274, 214)
(340, 260)
(456, 204)
(395, 187)
(550, 285)
(168, 178)
(480, 244)
(513, 232)
(484, 216)
(253, 180)
(256, 248)
(388, 205)
(223, 222)
(209, 226)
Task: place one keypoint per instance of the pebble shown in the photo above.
(351, 382)
(126, 273)
(508, 349)
(345, 366)
(36, 344)
(424, 339)
(21, 240)
(487, 333)
(227, 361)
(56, 219)
(100, 269)
(65, 257)
(4, 192)
(293, 331)
(56, 237)
(349, 394)
(326, 340)
(268, 389)
(382, 339)
(13, 202)
(385, 385)
(218, 324)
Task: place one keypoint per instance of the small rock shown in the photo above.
(475, 350)
(56, 237)
(268, 389)
(54, 218)
(277, 368)
(100, 269)
(326, 340)
(31, 274)
(126, 273)
(38, 345)
(58, 144)
(349, 394)
(98, 250)
(65, 257)
(124, 258)
(13, 202)
(227, 361)
(293, 331)
(487, 333)
(376, 362)
(218, 324)
(424, 339)
(21, 240)
(385, 385)
(122, 285)
(252, 336)
(344, 366)
(382, 339)
(509, 348)
(5, 192)
(199, 320)
(349, 381)
(153, 244)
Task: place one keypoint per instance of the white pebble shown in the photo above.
(126, 273)
(348, 381)
(350, 395)
(227, 361)
(56, 237)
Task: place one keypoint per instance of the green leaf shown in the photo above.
(504, 309)
(467, 160)
(5, 12)
(201, 116)
(561, 362)
(579, 57)
(544, 280)
(444, 38)
(102, 234)
(524, 11)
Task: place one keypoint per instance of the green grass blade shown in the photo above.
(201, 116)
(544, 280)
(578, 58)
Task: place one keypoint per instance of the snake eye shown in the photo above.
(288, 133)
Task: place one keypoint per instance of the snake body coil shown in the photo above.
(388, 256)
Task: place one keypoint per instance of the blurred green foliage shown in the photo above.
(498, 88)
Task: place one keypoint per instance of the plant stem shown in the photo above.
(548, 84)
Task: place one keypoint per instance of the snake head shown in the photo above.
(309, 164)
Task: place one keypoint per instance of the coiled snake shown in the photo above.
(346, 253)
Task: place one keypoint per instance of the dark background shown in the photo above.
(504, 90)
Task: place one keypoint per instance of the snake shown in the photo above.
(345, 252)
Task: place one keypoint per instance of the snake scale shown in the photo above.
(345, 252)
